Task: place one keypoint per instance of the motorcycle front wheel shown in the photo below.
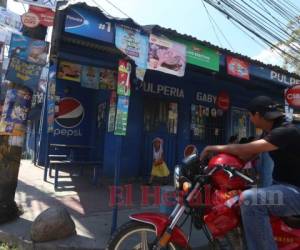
(136, 236)
(233, 240)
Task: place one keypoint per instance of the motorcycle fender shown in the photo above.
(160, 222)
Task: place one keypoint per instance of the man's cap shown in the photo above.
(266, 107)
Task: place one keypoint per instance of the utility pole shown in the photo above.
(10, 156)
(3, 3)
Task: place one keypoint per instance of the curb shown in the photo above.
(23, 244)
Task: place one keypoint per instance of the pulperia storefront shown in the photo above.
(111, 78)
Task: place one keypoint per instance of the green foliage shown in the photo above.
(293, 63)
(4, 246)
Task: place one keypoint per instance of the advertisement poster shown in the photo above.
(24, 73)
(240, 122)
(51, 114)
(201, 56)
(69, 71)
(2, 46)
(237, 68)
(31, 50)
(87, 23)
(112, 112)
(51, 98)
(124, 78)
(108, 79)
(10, 20)
(39, 93)
(101, 114)
(30, 20)
(90, 77)
(45, 15)
(292, 96)
(122, 115)
(133, 44)
(5, 85)
(15, 111)
(10, 98)
(43, 3)
(166, 56)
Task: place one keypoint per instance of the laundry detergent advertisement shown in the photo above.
(28, 49)
(132, 43)
(24, 73)
(82, 22)
(16, 107)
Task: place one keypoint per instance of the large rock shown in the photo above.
(52, 224)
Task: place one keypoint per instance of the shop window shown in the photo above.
(207, 124)
(160, 114)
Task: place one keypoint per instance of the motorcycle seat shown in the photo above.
(292, 221)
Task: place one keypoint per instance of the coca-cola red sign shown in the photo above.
(45, 15)
(292, 96)
(30, 20)
(223, 100)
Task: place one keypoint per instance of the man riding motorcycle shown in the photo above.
(283, 197)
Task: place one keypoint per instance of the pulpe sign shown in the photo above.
(292, 96)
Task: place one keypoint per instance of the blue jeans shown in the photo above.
(264, 168)
(257, 204)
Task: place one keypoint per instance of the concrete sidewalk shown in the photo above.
(88, 205)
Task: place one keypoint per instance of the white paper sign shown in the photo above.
(42, 3)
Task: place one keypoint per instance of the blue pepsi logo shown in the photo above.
(73, 19)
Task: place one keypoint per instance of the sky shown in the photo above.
(187, 17)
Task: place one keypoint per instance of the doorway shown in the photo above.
(160, 120)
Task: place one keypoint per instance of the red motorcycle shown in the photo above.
(218, 187)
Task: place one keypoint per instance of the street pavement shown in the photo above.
(90, 207)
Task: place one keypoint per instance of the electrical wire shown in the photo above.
(100, 7)
(117, 8)
(266, 20)
(247, 34)
(213, 27)
(211, 18)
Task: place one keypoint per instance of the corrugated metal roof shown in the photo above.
(167, 31)
(128, 21)
(171, 32)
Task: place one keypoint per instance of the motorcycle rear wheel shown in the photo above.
(144, 235)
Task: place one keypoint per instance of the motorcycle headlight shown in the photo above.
(176, 176)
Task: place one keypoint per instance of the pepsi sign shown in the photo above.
(83, 22)
(70, 115)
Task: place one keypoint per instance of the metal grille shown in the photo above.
(160, 114)
(207, 124)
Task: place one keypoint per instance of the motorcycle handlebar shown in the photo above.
(234, 172)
